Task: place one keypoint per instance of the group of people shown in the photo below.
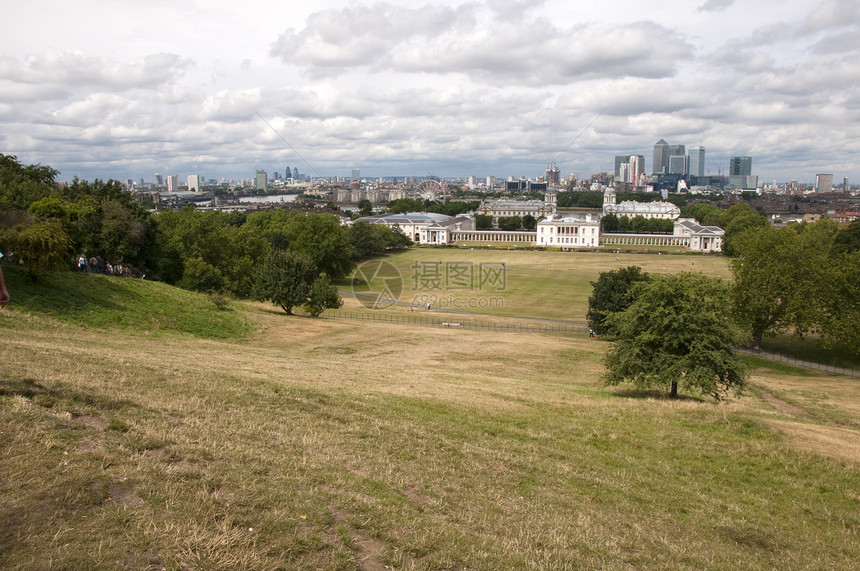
(97, 265)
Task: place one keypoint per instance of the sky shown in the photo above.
(124, 89)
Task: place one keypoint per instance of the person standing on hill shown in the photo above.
(4, 295)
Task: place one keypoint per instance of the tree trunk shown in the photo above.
(673, 392)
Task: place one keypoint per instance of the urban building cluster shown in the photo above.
(573, 231)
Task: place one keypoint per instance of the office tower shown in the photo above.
(261, 181)
(824, 183)
(142, 183)
(620, 160)
(159, 180)
(491, 182)
(193, 183)
(173, 183)
(740, 166)
(697, 161)
(661, 157)
(845, 187)
(289, 174)
(679, 164)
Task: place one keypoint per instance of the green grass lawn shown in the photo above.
(537, 284)
(131, 305)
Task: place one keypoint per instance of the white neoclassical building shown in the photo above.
(577, 231)
(425, 227)
(702, 238)
(631, 208)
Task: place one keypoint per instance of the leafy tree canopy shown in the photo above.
(676, 334)
(611, 293)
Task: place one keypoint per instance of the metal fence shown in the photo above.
(454, 320)
(799, 362)
(542, 327)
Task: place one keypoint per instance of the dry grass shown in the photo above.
(329, 444)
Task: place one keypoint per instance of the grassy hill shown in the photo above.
(124, 304)
(332, 444)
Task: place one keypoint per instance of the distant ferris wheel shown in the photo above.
(431, 189)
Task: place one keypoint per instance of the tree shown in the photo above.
(43, 247)
(609, 223)
(677, 334)
(322, 295)
(840, 314)
(285, 279)
(610, 294)
(483, 222)
(737, 219)
(365, 207)
(529, 222)
(847, 239)
(367, 240)
(510, 223)
(780, 276)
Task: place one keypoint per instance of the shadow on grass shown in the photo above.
(48, 397)
(652, 394)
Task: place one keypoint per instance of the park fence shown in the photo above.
(454, 320)
(799, 362)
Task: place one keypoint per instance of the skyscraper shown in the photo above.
(679, 164)
(824, 183)
(261, 181)
(289, 174)
(661, 157)
(697, 161)
(740, 166)
(173, 183)
(193, 183)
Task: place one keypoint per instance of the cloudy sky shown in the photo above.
(124, 89)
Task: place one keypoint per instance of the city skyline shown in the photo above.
(453, 88)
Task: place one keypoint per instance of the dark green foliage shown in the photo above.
(42, 247)
(677, 334)
(404, 205)
(782, 277)
(510, 223)
(369, 240)
(322, 295)
(847, 239)
(736, 220)
(529, 222)
(365, 207)
(483, 222)
(704, 213)
(285, 279)
(611, 293)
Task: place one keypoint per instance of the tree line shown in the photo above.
(802, 279)
(45, 226)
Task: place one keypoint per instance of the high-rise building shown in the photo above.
(845, 187)
(194, 183)
(620, 160)
(697, 161)
(661, 157)
(679, 164)
(289, 174)
(173, 183)
(261, 181)
(824, 183)
(159, 180)
(740, 166)
(553, 175)
(491, 182)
